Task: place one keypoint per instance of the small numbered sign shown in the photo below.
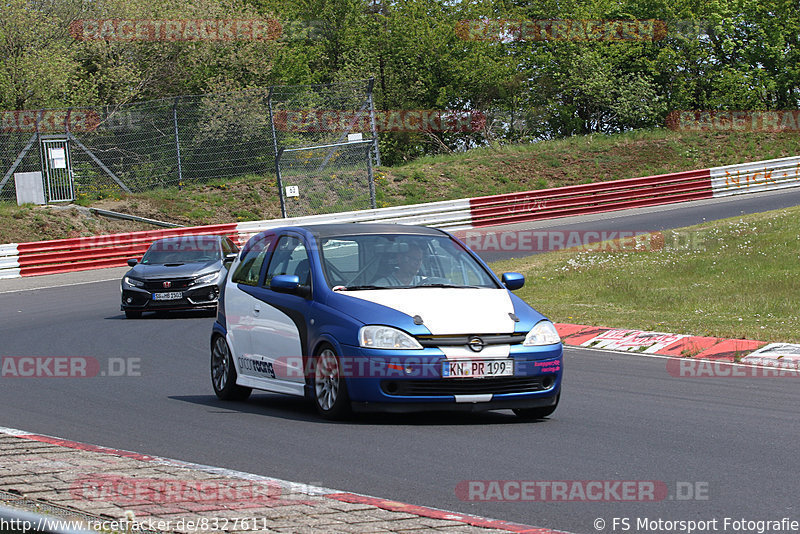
(292, 191)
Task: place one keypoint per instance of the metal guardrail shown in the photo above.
(591, 198)
(126, 217)
(755, 177)
(48, 257)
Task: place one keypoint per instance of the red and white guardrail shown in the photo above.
(84, 253)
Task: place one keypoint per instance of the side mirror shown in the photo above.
(132, 262)
(229, 258)
(513, 281)
(289, 283)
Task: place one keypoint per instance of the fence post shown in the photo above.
(42, 155)
(372, 123)
(177, 141)
(371, 179)
(280, 182)
(278, 153)
(272, 121)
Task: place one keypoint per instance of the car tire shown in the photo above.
(223, 373)
(328, 386)
(131, 314)
(532, 414)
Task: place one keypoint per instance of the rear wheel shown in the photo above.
(329, 388)
(537, 413)
(223, 373)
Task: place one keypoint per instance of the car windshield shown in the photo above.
(187, 250)
(391, 261)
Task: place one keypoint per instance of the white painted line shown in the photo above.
(58, 285)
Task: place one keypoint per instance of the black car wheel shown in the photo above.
(223, 373)
(329, 388)
(131, 314)
(537, 413)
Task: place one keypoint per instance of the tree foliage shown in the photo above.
(426, 54)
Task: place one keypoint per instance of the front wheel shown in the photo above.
(132, 314)
(537, 413)
(223, 373)
(329, 388)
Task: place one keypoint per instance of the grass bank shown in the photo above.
(733, 278)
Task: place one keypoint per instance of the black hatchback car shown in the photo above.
(178, 273)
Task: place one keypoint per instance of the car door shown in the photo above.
(238, 302)
(280, 327)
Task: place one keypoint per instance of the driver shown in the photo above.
(406, 272)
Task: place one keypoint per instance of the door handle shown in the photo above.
(257, 308)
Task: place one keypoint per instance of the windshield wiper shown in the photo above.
(452, 285)
(358, 288)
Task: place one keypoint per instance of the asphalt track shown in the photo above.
(622, 417)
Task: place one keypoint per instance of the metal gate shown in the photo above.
(57, 169)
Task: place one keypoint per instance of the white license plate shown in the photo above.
(174, 295)
(477, 368)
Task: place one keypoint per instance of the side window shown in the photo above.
(248, 270)
(341, 260)
(290, 257)
(228, 246)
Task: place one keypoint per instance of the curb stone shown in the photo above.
(98, 483)
(749, 351)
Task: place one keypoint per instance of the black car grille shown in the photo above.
(467, 386)
(175, 284)
(463, 340)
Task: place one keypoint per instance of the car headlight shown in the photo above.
(206, 278)
(385, 337)
(133, 282)
(544, 333)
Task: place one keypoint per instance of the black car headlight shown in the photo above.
(206, 279)
(132, 282)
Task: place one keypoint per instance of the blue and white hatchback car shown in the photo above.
(381, 317)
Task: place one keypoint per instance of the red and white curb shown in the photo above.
(745, 351)
(293, 487)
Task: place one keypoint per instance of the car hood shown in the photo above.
(186, 270)
(448, 311)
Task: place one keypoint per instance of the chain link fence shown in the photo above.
(326, 178)
(330, 170)
(192, 139)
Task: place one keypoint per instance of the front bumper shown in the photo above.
(494, 404)
(201, 297)
(411, 380)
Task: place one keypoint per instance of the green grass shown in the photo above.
(576, 160)
(735, 278)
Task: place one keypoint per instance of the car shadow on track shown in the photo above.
(177, 314)
(298, 409)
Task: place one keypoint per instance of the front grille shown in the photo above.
(488, 339)
(467, 386)
(177, 284)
